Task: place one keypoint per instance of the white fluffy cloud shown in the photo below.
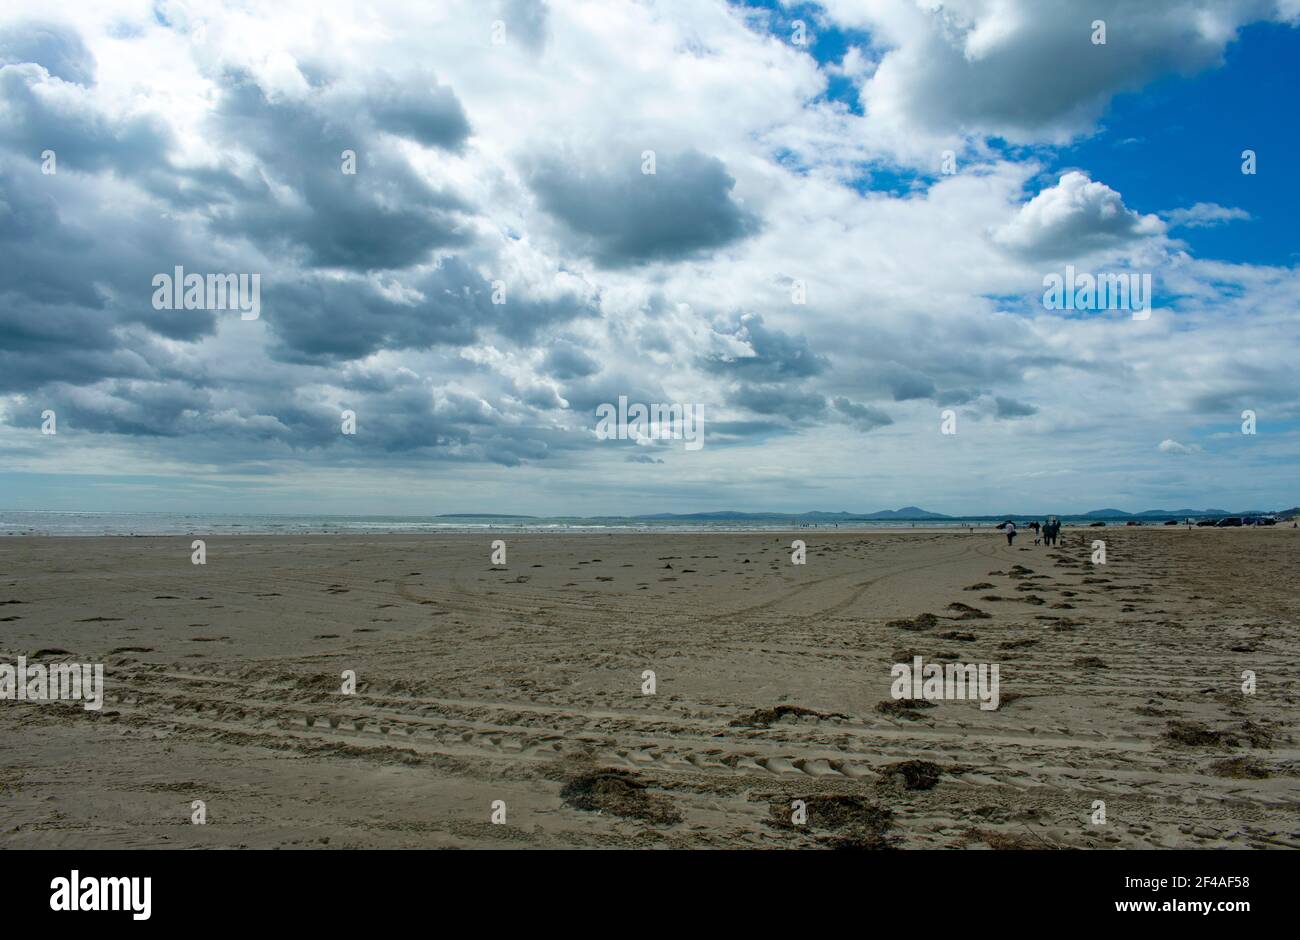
(1028, 70)
(1075, 218)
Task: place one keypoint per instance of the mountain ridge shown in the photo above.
(916, 513)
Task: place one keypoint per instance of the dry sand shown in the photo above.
(524, 684)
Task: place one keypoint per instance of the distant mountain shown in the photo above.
(916, 513)
(1160, 513)
(907, 512)
(480, 515)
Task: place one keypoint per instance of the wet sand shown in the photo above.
(523, 683)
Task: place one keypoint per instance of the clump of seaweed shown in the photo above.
(620, 793)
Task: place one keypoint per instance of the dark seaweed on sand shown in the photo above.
(903, 708)
(919, 622)
(914, 774)
(763, 717)
(1243, 768)
(1191, 734)
(854, 821)
(619, 793)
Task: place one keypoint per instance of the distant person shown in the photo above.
(1050, 527)
(1011, 532)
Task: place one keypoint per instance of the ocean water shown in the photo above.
(22, 522)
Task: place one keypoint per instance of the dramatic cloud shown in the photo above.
(622, 216)
(503, 262)
(382, 217)
(755, 351)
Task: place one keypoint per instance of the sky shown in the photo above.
(825, 226)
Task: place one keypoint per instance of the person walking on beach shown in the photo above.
(1011, 532)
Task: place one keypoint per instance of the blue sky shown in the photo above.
(1163, 146)
(502, 264)
(1179, 142)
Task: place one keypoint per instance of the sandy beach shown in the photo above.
(524, 683)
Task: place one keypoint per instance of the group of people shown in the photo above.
(1047, 532)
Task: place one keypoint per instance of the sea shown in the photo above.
(26, 522)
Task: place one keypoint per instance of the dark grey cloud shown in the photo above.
(957, 396)
(421, 111)
(586, 394)
(83, 140)
(216, 424)
(1010, 408)
(565, 361)
(384, 217)
(318, 320)
(53, 46)
(77, 276)
(78, 332)
(863, 417)
(543, 397)
(775, 355)
(790, 402)
(133, 408)
(449, 426)
(906, 384)
(29, 359)
(620, 216)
